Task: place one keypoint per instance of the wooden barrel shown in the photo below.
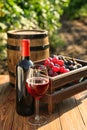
(39, 47)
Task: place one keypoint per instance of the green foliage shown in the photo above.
(39, 14)
(3, 54)
(83, 11)
(56, 42)
(3, 51)
(31, 14)
(76, 9)
(19, 14)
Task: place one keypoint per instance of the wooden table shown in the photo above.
(70, 114)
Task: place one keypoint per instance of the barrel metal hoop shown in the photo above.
(34, 48)
(35, 36)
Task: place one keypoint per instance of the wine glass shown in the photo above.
(37, 84)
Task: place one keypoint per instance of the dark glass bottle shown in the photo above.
(24, 101)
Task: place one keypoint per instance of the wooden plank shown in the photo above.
(65, 78)
(3, 96)
(69, 91)
(81, 100)
(4, 82)
(70, 116)
(18, 122)
(26, 125)
(7, 111)
(54, 125)
(21, 123)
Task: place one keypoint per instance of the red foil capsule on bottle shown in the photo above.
(25, 46)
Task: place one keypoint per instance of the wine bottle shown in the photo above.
(24, 101)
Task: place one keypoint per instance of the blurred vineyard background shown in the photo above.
(65, 20)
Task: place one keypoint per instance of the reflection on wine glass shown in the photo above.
(37, 83)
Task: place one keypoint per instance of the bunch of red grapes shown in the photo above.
(59, 64)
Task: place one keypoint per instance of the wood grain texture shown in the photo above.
(81, 100)
(7, 111)
(69, 114)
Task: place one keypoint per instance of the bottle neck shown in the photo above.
(25, 58)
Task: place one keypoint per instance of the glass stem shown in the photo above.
(37, 110)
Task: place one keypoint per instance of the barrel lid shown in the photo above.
(27, 34)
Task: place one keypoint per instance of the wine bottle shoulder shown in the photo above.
(25, 64)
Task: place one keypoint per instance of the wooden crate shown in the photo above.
(65, 85)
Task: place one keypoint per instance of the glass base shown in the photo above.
(37, 121)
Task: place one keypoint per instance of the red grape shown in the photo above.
(62, 69)
(51, 64)
(56, 65)
(55, 69)
(66, 70)
(46, 62)
(60, 62)
(50, 72)
(54, 60)
(50, 58)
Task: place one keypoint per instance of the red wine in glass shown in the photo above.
(38, 88)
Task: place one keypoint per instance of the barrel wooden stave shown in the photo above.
(14, 48)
